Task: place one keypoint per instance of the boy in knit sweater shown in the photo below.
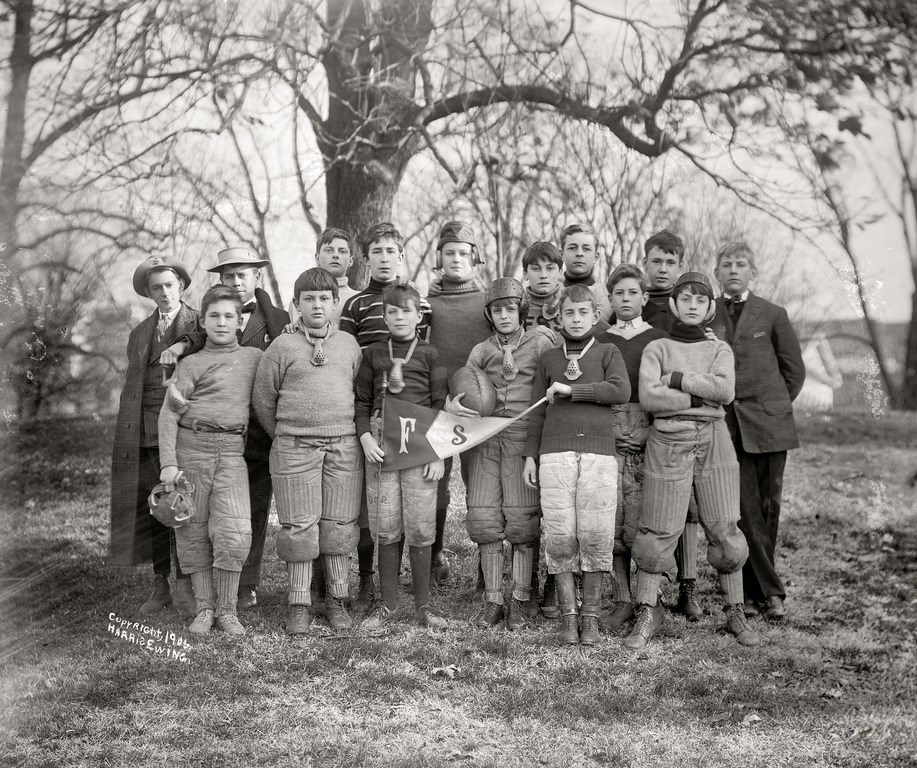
(573, 438)
(401, 503)
(303, 397)
(630, 334)
(500, 506)
(685, 380)
(579, 247)
(541, 270)
(202, 428)
(362, 317)
(457, 324)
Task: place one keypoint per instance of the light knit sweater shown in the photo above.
(702, 378)
(513, 397)
(294, 397)
(216, 386)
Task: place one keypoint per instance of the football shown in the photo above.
(480, 394)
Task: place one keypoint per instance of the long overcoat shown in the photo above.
(125, 547)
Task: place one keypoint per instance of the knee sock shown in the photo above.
(492, 567)
(731, 586)
(227, 587)
(389, 565)
(566, 592)
(647, 591)
(440, 530)
(202, 585)
(523, 558)
(687, 552)
(337, 569)
(621, 565)
(300, 581)
(366, 548)
(420, 574)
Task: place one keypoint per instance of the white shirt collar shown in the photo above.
(741, 297)
(638, 323)
(171, 316)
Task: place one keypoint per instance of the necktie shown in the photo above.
(396, 374)
(247, 309)
(163, 327)
(572, 371)
(318, 352)
(733, 304)
(509, 369)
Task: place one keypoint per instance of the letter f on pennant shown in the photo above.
(407, 426)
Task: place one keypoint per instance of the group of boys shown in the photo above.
(629, 410)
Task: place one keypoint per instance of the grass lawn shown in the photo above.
(835, 685)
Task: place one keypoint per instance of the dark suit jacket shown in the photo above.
(124, 546)
(769, 373)
(265, 324)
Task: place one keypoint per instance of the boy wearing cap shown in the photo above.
(304, 397)
(572, 438)
(769, 375)
(363, 317)
(202, 425)
(500, 505)
(579, 248)
(457, 323)
(239, 269)
(334, 254)
(136, 536)
(685, 380)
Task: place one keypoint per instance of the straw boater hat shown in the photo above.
(238, 256)
(157, 262)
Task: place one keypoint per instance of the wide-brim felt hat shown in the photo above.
(238, 256)
(157, 262)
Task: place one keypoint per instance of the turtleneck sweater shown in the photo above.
(599, 291)
(457, 322)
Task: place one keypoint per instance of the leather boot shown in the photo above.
(366, 594)
(549, 608)
(183, 598)
(592, 604)
(159, 598)
(566, 597)
(687, 600)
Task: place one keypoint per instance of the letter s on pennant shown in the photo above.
(460, 437)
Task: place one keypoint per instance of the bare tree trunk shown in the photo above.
(11, 163)
(907, 398)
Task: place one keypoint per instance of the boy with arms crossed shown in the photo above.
(684, 382)
(401, 503)
(202, 428)
(769, 375)
(500, 505)
(363, 318)
(303, 397)
(572, 436)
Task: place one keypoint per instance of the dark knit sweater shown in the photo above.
(632, 350)
(425, 380)
(582, 422)
(363, 317)
(657, 312)
(457, 322)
